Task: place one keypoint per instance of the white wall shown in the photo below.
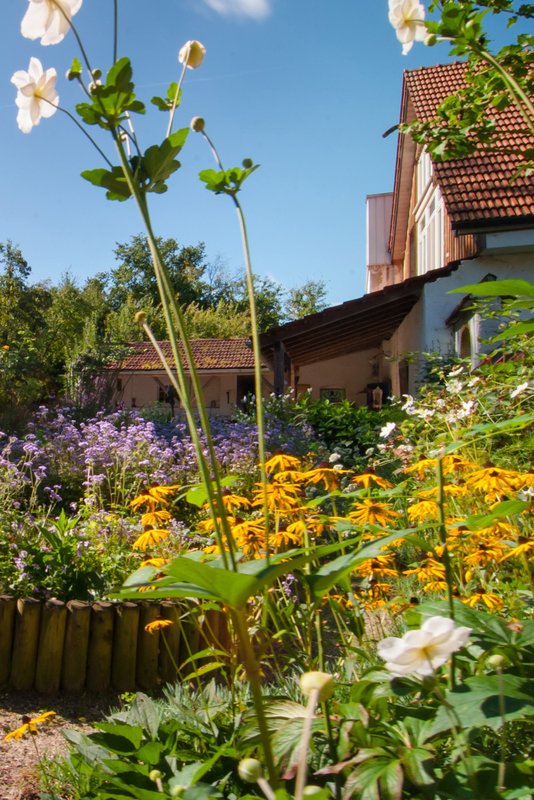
(424, 329)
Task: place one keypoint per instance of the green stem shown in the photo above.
(443, 537)
(252, 670)
(446, 556)
(115, 29)
(173, 314)
(76, 36)
(175, 100)
(302, 768)
(258, 387)
(85, 133)
(501, 775)
(258, 382)
(521, 100)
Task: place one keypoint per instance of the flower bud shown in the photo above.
(312, 791)
(140, 317)
(497, 661)
(198, 124)
(321, 682)
(249, 770)
(248, 163)
(155, 775)
(192, 54)
(178, 790)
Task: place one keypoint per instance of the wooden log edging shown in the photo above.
(75, 647)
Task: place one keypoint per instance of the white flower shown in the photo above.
(333, 457)
(36, 95)
(421, 652)
(192, 54)
(519, 389)
(407, 17)
(48, 20)
(455, 386)
(388, 428)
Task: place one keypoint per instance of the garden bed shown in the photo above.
(74, 647)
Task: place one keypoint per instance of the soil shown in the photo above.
(18, 757)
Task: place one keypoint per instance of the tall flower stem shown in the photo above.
(175, 100)
(258, 387)
(443, 537)
(174, 317)
(252, 670)
(302, 767)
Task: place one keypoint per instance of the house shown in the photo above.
(444, 225)
(225, 368)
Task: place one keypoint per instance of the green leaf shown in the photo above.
(197, 495)
(114, 181)
(226, 181)
(505, 509)
(330, 574)
(516, 329)
(150, 753)
(120, 739)
(477, 703)
(158, 162)
(145, 712)
(204, 670)
(504, 288)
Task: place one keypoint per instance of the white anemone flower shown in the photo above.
(192, 54)
(48, 20)
(421, 652)
(407, 17)
(36, 95)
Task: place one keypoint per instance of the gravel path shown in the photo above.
(18, 758)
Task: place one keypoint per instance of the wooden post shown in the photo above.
(100, 647)
(147, 676)
(50, 653)
(123, 664)
(8, 606)
(25, 643)
(74, 667)
(168, 662)
(279, 369)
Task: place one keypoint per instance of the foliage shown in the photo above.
(468, 120)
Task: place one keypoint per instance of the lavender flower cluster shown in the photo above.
(108, 459)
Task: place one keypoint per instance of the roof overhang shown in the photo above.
(354, 326)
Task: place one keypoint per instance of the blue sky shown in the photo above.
(304, 87)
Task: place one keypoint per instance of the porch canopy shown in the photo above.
(353, 326)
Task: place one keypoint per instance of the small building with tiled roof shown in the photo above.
(225, 368)
(445, 225)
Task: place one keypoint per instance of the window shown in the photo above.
(429, 220)
(332, 395)
(424, 174)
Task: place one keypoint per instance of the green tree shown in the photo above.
(306, 299)
(224, 321)
(25, 374)
(134, 276)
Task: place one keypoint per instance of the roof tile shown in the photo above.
(484, 180)
(209, 354)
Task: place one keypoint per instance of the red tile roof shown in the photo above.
(209, 354)
(478, 188)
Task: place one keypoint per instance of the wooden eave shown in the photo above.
(351, 327)
(402, 190)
